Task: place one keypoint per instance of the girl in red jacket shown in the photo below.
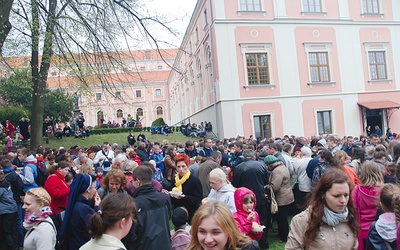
(246, 217)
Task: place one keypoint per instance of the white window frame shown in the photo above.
(323, 10)
(118, 95)
(365, 13)
(319, 47)
(136, 93)
(158, 92)
(333, 120)
(262, 7)
(257, 48)
(378, 47)
(205, 18)
(159, 67)
(270, 113)
(98, 96)
(142, 68)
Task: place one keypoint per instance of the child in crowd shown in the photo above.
(382, 233)
(99, 177)
(158, 176)
(181, 234)
(246, 217)
(389, 173)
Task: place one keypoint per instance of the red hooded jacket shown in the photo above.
(240, 216)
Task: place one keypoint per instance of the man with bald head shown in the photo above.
(82, 159)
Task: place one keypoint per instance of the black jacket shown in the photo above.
(253, 175)
(17, 186)
(151, 229)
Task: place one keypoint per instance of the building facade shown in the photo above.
(109, 90)
(303, 67)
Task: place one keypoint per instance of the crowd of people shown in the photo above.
(217, 193)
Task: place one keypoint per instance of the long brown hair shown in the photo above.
(317, 204)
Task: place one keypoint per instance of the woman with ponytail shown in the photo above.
(111, 222)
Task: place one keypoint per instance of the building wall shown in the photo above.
(287, 32)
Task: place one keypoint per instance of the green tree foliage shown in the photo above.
(17, 90)
(158, 122)
(14, 114)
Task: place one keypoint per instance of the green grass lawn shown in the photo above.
(120, 138)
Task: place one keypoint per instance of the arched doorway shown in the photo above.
(100, 118)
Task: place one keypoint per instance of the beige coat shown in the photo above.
(279, 180)
(335, 238)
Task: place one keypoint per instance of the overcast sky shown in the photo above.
(177, 14)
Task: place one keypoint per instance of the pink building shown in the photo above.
(137, 87)
(303, 67)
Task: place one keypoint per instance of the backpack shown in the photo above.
(41, 173)
(158, 176)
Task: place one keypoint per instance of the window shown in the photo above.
(53, 73)
(138, 93)
(250, 5)
(378, 61)
(319, 63)
(197, 35)
(142, 68)
(377, 65)
(158, 92)
(257, 64)
(205, 21)
(159, 111)
(100, 118)
(257, 69)
(159, 67)
(118, 95)
(370, 6)
(324, 121)
(139, 112)
(98, 96)
(147, 54)
(262, 126)
(312, 6)
(319, 67)
(120, 113)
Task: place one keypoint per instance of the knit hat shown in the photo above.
(270, 159)
(179, 217)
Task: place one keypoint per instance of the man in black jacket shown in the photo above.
(150, 231)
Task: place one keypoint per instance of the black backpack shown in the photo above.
(41, 174)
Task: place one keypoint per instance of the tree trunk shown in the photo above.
(5, 25)
(39, 78)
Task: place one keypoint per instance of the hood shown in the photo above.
(4, 184)
(30, 158)
(227, 188)
(386, 226)
(369, 196)
(240, 193)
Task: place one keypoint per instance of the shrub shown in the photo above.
(12, 113)
(158, 122)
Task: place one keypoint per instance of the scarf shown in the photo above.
(180, 181)
(333, 219)
(35, 218)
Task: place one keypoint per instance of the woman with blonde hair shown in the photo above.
(221, 189)
(111, 222)
(41, 232)
(213, 226)
(114, 182)
(365, 197)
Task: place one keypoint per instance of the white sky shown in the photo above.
(177, 13)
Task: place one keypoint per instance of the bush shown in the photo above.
(158, 122)
(100, 131)
(14, 114)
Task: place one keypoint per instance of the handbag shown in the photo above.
(270, 196)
